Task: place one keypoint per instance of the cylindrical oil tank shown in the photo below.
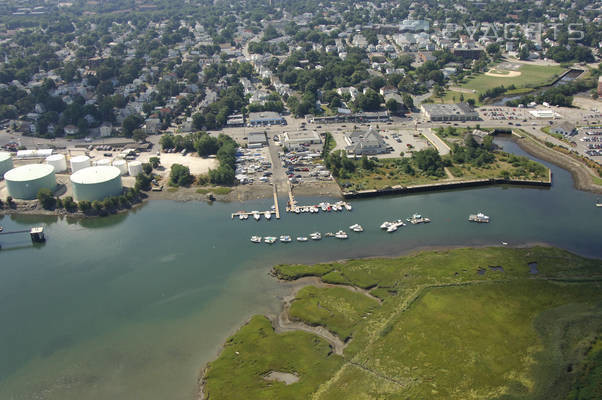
(134, 168)
(122, 165)
(6, 162)
(102, 161)
(25, 181)
(79, 162)
(96, 183)
(58, 161)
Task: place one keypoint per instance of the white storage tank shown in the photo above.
(96, 183)
(122, 165)
(6, 163)
(134, 168)
(79, 162)
(24, 182)
(103, 161)
(58, 161)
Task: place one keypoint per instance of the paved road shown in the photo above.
(279, 176)
(436, 141)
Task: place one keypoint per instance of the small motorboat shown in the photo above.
(348, 207)
(285, 239)
(256, 239)
(315, 236)
(267, 215)
(329, 234)
(269, 239)
(392, 228)
(356, 228)
(341, 235)
(256, 215)
(385, 225)
(301, 238)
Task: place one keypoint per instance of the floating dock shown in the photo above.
(36, 234)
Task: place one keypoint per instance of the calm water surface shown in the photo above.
(133, 306)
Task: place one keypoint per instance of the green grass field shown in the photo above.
(442, 331)
(531, 76)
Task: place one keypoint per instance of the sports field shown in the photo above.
(531, 76)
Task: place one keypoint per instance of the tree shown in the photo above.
(147, 168)
(408, 102)
(180, 176)
(139, 135)
(154, 162)
(143, 182)
(393, 106)
(131, 123)
(46, 199)
(167, 142)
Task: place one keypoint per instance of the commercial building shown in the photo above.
(24, 182)
(266, 118)
(257, 139)
(235, 120)
(300, 139)
(449, 112)
(366, 143)
(544, 114)
(564, 128)
(362, 117)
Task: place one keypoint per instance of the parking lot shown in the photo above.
(589, 142)
(254, 166)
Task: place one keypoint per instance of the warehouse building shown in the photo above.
(300, 140)
(266, 118)
(256, 140)
(449, 112)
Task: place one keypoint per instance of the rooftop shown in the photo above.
(29, 172)
(98, 174)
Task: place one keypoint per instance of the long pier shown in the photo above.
(36, 234)
(276, 207)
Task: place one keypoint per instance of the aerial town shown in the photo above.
(460, 140)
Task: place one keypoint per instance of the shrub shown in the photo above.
(46, 199)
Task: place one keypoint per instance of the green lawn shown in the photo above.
(442, 331)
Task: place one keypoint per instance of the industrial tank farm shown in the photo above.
(96, 183)
(24, 182)
(58, 161)
(6, 163)
(79, 162)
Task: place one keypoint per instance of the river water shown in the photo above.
(133, 306)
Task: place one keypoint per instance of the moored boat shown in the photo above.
(267, 215)
(341, 235)
(301, 238)
(256, 215)
(285, 239)
(315, 236)
(356, 228)
(479, 217)
(269, 239)
(256, 239)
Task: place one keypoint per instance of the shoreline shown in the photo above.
(581, 174)
(295, 285)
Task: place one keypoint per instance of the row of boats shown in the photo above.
(243, 215)
(313, 236)
(324, 206)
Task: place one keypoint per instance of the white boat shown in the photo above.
(418, 219)
(392, 228)
(315, 236)
(269, 239)
(479, 217)
(256, 215)
(504, 243)
(385, 225)
(267, 215)
(323, 206)
(348, 206)
(285, 239)
(341, 235)
(256, 239)
(245, 216)
(356, 228)
(301, 238)
(242, 217)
